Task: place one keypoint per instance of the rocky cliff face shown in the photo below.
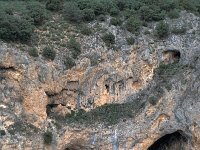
(160, 77)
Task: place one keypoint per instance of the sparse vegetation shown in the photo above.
(94, 59)
(74, 47)
(85, 30)
(48, 137)
(23, 128)
(108, 113)
(179, 30)
(49, 53)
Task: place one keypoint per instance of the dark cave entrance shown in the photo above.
(173, 141)
(171, 56)
(50, 107)
(107, 88)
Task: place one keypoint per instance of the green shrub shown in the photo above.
(151, 13)
(85, 30)
(33, 52)
(162, 29)
(114, 11)
(54, 5)
(188, 5)
(153, 100)
(74, 47)
(128, 13)
(130, 40)
(9, 10)
(13, 28)
(168, 5)
(47, 137)
(88, 14)
(179, 30)
(69, 62)
(102, 6)
(173, 14)
(133, 24)
(49, 53)
(109, 39)
(102, 17)
(37, 12)
(116, 21)
(72, 12)
(22, 128)
(114, 113)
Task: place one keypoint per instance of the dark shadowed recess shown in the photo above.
(173, 141)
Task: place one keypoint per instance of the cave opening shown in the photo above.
(171, 56)
(107, 88)
(173, 141)
(50, 107)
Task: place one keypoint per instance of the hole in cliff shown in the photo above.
(171, 56)
(50, 107)
(173, 141)
(107, 88)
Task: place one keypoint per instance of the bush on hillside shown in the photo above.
(74, 47)
(49, 53)
(114, 11)
(162, 29)
(15, 28)
(47, 137)
(54, 5)
(33, 52)
(130, 40)
(69, 62)
(85, 30)
(133, 24)
(151, 13)
(101, 17)
(173, 14)
(88, 14)
(37, 12)
(72, 12)
(168, 5)
(108, 38)
(116, 21)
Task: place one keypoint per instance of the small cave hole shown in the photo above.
(107, 88)
(173, 141)
(50, 107)
(171, 56)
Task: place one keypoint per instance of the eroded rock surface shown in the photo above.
(36, 91)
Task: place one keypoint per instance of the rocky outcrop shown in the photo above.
(163, 75)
